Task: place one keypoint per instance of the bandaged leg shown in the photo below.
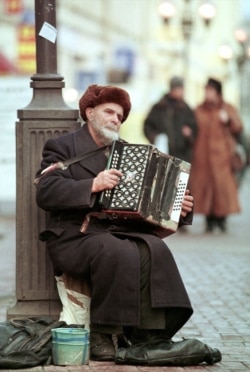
(75, 297)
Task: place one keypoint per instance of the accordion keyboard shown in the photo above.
(133, 164)
(180, 192)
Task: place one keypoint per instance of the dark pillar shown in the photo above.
(46, 116)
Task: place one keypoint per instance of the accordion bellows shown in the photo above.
(151, 189)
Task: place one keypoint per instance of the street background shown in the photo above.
(215, 269)
(139, 51)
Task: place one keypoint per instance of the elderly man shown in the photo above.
(136, 288)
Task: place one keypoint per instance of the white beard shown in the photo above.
(105, 135)
(108, 136)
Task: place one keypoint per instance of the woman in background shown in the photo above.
(212, 181)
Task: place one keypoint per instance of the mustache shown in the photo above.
(110, 124)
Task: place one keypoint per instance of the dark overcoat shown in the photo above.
(168, 116)
(106, 254)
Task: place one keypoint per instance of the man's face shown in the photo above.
(104, 122)
(177, 93)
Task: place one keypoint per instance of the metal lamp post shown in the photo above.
(241, 59)
(167, 11)
(47, 115)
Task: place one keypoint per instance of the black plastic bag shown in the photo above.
(26, 342)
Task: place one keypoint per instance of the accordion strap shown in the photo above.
(63, 165)
(82, 156)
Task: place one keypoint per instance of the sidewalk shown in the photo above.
(215, 270)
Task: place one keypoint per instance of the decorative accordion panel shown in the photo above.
(152, 186)
(132, 161)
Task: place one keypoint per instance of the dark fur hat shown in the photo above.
(97, 94)
(176, 82)
(216, 84)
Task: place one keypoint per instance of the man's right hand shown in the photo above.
(106, 179)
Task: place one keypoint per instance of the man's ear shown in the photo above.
(89, 112)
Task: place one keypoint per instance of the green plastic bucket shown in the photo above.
(70, 346)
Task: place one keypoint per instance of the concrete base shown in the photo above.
(27, 309)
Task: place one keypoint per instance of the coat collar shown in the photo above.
(84, 143)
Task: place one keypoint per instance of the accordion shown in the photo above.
(151, 189)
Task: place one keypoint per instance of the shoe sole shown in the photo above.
(107, 358)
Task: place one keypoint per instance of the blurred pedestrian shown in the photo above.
(171, 121)
(212, 180)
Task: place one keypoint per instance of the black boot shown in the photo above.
(101, 347)
(221, 223)
(210, 223)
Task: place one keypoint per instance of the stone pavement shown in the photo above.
(216, 271)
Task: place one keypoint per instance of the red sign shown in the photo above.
(13, 6)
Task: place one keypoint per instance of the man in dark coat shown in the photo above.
(173, 118)
(135, 284)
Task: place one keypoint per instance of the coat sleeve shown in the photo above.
(153, 124)
(192, 123)
(58, 189)
(235, 122)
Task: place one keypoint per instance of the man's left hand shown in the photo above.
(187, 204)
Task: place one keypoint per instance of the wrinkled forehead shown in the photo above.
(110, 106)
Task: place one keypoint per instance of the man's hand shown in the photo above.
(106, 179)
(187, 204)
(186, 131)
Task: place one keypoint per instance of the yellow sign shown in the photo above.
(26, 62)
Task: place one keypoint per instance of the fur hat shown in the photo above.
(97, 94)
(216, 84)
